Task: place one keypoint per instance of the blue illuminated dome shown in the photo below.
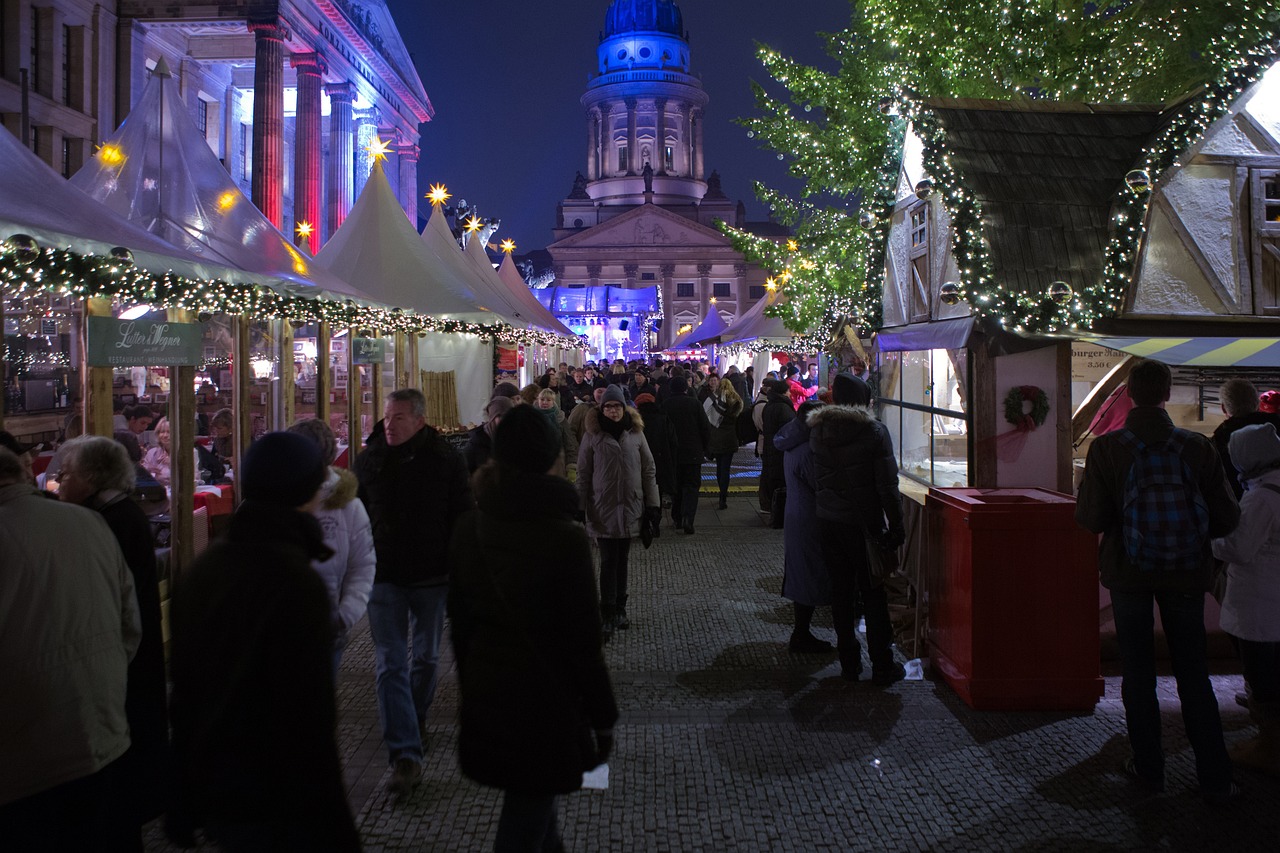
(643, 16)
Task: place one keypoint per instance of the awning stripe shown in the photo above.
(1200, 352)
(1234, 352)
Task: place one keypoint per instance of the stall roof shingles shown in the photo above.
(1045, 176)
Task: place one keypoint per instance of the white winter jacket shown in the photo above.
(348, 574)
(1251, 605)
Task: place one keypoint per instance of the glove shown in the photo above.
(892, 539)
(604, 745)
(654, 515)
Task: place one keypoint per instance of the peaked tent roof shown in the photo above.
(706, 332)
(379, 248)
(1046, 175)
(462, 274)
(755, 325)
(37, 201)
(157, 171)
(520, 297)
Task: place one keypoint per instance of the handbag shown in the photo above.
(883, 562)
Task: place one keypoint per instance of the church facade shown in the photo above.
(637, 255)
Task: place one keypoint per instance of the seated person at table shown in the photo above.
(157, 460)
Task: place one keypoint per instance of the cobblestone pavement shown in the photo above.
(728, 743)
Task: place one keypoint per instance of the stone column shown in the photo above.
(593, 144)
(632, 153)
(740, 288)
(660, 110)
(704, 286)
(307, 154)
(668, 294)
(408, 157)
(338, 194)
(631, 271)
(593, 274)
(696, 119)
(267, 181)
(684, 165)
(366, 129)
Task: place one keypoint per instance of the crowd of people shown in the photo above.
(243, 747)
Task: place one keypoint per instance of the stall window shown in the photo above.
(721, 290)
(1266, 237)
(684, 290)
(921, 305)
(923, 402)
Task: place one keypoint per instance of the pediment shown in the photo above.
(645, 226)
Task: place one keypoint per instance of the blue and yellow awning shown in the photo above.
(1199, 352)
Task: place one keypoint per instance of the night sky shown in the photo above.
(505, 77)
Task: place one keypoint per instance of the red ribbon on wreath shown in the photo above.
(1027, 423)
(1009, 445)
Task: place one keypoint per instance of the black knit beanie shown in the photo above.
(526, 440)
(849, 390)
(282, 469)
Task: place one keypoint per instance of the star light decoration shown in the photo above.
(438, 195)
(473, 224)
(378, 149)
(305, 229)
(508, 245)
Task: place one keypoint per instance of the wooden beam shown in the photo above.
(96, 381)
(182, 474)
(376, 383)
(241, 382)
(1062, 418)
(288, 382)
(982, 391)
(324, 373)
(1089, 407)
(354, 405)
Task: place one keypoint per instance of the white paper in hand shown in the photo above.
(597, 779)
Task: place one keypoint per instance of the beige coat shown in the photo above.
(617, 479)
(69, 626)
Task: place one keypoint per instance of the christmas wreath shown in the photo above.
(1021, 420)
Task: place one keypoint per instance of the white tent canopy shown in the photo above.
(379, 250)
(158, 172)
(519, 297)
(37, 201)
(461, 274)
(755, 326)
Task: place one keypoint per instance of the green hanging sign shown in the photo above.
(368, 350)
(143, 342)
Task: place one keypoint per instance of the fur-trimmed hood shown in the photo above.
(592, 422)
(840, 417)
(339, 488)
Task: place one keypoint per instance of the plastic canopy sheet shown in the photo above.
(707, 332)
(37, 201)
(379, 248)
(518, 296)
(460, 275)
(943, 334)
(1199, 352)
(158, 172)
(755, 325)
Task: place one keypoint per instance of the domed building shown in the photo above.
(637, 254)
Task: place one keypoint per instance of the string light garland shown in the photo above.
(60, 272)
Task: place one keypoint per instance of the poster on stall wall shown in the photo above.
(506, 364)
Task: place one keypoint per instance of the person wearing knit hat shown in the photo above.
(642, 399)
(527, 635)
(252, 638)
(507, 389)
(617, 486)
(849, 390)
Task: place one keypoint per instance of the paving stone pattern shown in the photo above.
(729, 743)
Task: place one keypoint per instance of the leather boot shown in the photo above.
(608, 622)
(620, 620)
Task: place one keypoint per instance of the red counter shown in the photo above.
(1013, 599)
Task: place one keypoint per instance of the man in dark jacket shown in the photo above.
(253, 709)
(415, 487)
(662, 440)
(777, 412)
(857, 501)
(480, 439)
(1179, 593)
(1239, 398)
(693, 431)
(579, 388)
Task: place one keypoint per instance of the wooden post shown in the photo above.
(287, 382)
(1062, 418)
(415, 361)
(182, 475)
(241, 382)
(95, 388)
(404, 378)
(982, 422)
(324, 374)
(354, 405)
(376, 382)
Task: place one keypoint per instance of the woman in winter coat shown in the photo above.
(1251, 605)
(97, 473)
(617, 484)
(722, 405)
(548, 403)
(348, 574)
(537, 707)
(805, 580)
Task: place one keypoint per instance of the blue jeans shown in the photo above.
(1183, 617)
(527, 824)
(405, 691)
